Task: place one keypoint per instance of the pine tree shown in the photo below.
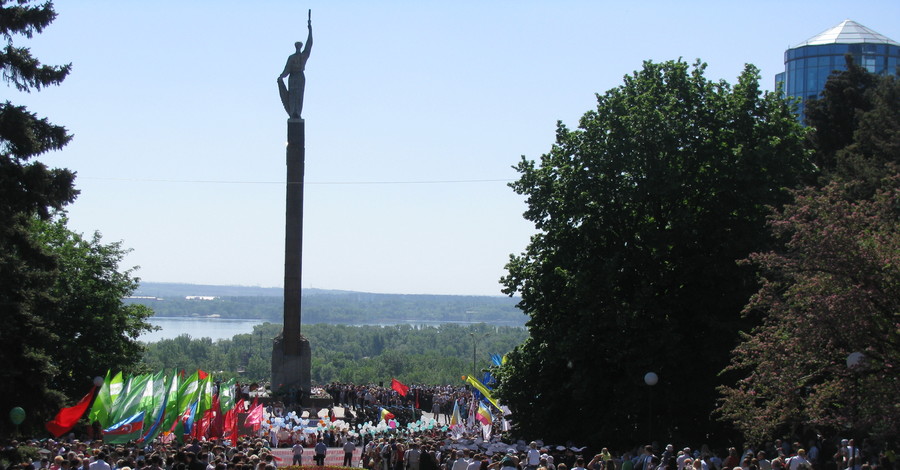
(28, 189)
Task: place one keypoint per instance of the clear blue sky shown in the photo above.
(415, 113)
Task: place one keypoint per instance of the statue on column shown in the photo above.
(292, 95)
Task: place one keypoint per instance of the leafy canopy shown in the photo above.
(640, 214)
(832, 289)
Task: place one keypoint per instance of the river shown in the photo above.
(226, 328)
(215, 328)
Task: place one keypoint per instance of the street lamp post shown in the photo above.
(474, 347)
(855, 363)
(651, 379)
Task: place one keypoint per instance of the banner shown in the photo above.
(67, 417)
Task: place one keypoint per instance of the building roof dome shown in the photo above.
(848, 32)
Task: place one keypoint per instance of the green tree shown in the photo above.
(90, 329)
(856, 129)
(641, 215)
(832, 289)
(27, 189)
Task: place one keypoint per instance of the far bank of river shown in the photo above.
(226, 328)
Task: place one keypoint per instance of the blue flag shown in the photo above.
(128, 429)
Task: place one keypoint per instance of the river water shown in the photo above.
(215, 328)
(226, 328)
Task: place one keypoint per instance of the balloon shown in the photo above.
(98, 381)
(17, 415)
(650, 378)
(393, 424)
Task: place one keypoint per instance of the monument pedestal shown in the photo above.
(291, 371)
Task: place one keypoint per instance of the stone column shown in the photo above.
(290, 351)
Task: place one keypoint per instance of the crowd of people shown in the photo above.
(434, 450)
(431, 448)
(438, 400)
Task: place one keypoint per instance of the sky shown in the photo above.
(415, 114)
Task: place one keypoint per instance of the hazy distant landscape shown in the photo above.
(325, 306)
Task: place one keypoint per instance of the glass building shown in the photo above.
(808, 64)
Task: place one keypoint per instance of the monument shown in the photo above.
(290, 350)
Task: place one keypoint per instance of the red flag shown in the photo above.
(217, 427)
(254, 417)
(399, 387)
(231, 419)
(417, 399)
(200, 374)
(67, 417)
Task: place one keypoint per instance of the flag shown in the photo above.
(154, 430)
(227, 395)
(497, 359)
(126, 430)
(217, 420)
(129, 402)
(103, 403)
(254, 417)
(170, 410)
(67, 417)
(399, 387)
(230, 433)
(205, 395)
(385, 414)
(455, 418)
(188, 392)
(483, 415)
(190, 416)
(481, 388)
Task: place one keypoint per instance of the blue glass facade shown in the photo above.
(807, 67)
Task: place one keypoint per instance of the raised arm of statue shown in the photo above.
(308, 41)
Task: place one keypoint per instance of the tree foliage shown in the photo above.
(641, 215)
(90, 328)
(833, 289)
(344, 353)
(27, 189)
(60, 294)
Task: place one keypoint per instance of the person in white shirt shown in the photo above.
(461, 462)
(100, 463)
(533, 459)
(800, 459)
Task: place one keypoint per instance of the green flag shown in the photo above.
(102, 404)
(171, 411)
(154, 425)
(153, 394)
(226, 395)
(188, 392)
(205, 397)
(129, 402)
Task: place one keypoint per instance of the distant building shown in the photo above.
(199, 297)
(808, 64)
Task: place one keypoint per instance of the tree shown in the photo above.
(91, 329)
(641, 215)
(27, 189)
(856, 128)
(833, 291)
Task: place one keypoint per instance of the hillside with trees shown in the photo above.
(358, 354)
(326, 306)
